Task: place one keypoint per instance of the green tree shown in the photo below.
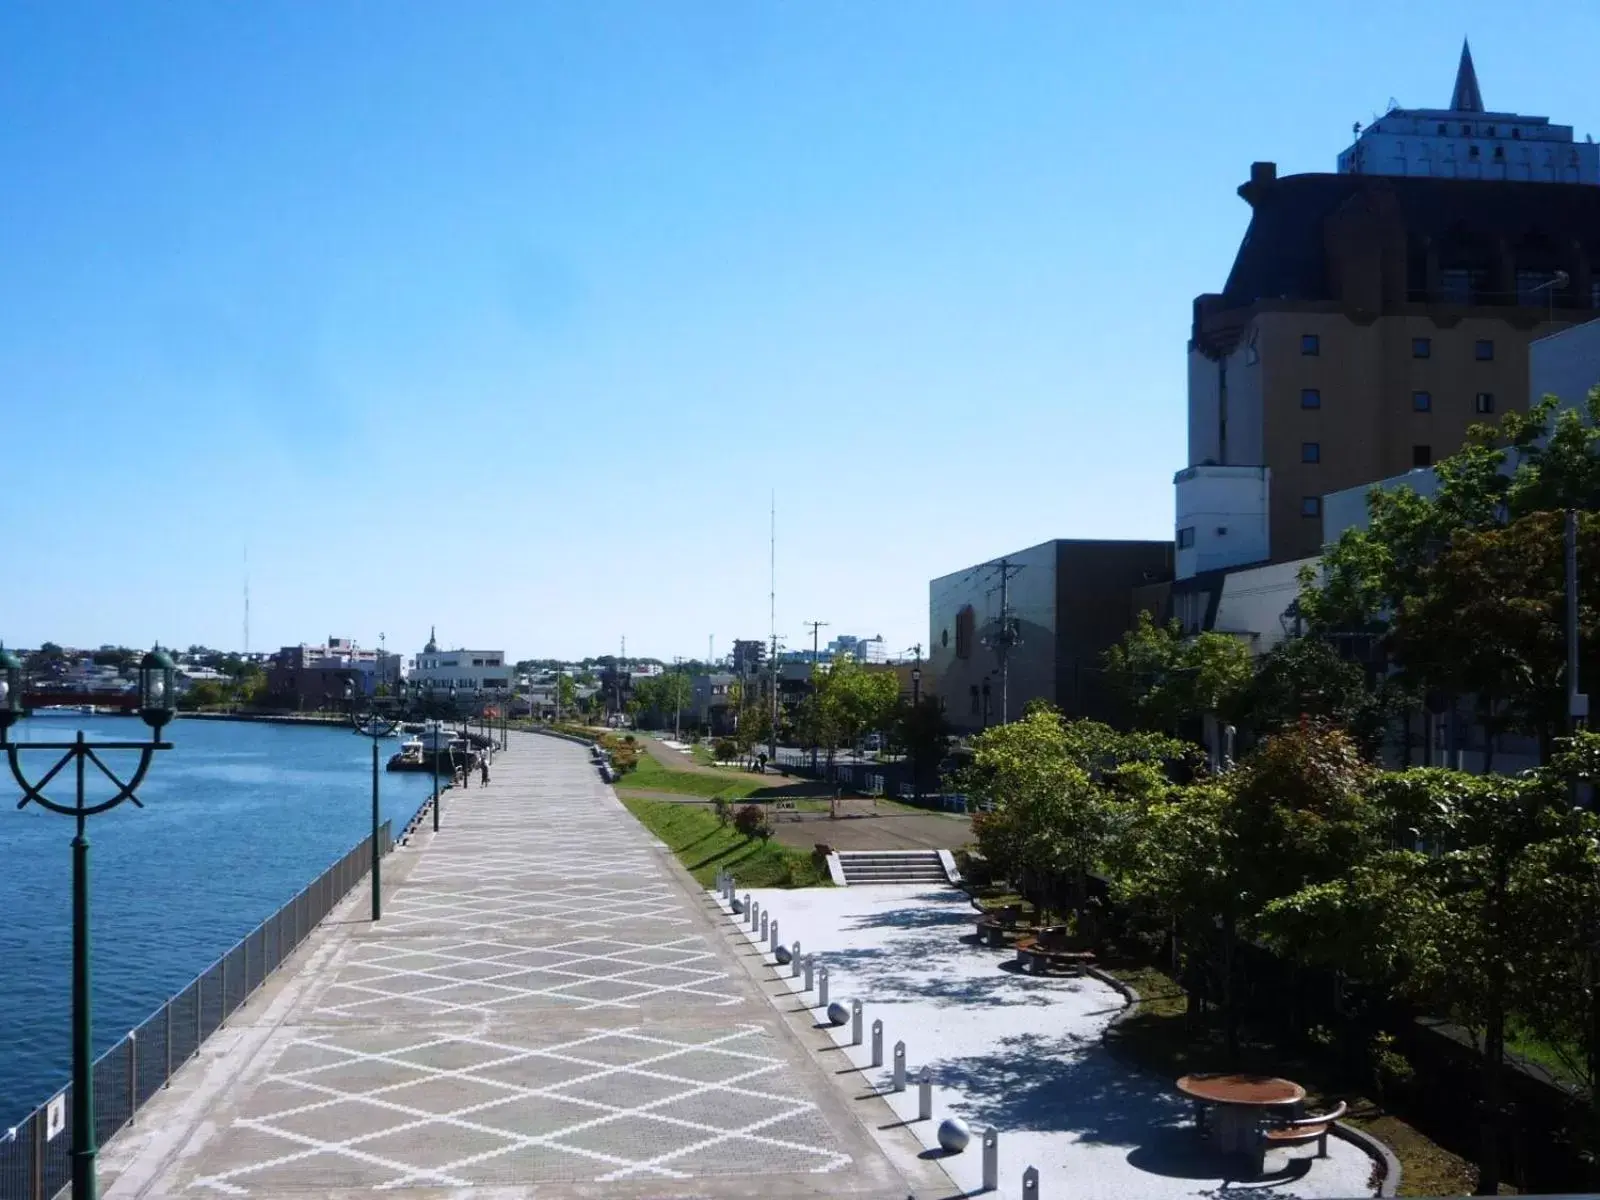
(566, 693)
(1170, 680)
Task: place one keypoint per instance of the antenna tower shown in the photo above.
(772, 616)
(247, 600)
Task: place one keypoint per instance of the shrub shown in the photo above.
(724, 750)
(751, 821)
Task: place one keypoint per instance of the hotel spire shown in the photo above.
(1467, 97)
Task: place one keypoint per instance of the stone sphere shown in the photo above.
(954, 1134)
(838, 1014)
(783, 954)
(738, 906)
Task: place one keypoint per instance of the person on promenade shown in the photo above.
(483, 778)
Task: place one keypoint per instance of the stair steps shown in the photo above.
(892, 866)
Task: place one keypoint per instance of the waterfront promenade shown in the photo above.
(546, 1009)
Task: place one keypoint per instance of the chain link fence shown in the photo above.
(35, 1157)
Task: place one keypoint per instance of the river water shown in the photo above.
(237, 818)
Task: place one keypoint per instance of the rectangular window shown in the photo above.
(1484, 402)
(1421, 347)
(1422, 456)
(1185, 537)
(1310, 506)
(1310, 398)
(1421, 401)
(1310, 452)
(1483, 350)
(1310, 344)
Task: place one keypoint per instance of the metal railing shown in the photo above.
(35, 1157)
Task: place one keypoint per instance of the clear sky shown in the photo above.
(510, 316)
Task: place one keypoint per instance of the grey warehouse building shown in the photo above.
(1067, 600)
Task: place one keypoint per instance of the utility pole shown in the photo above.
(1577, 702)
(815, 626)
(677, 697)
(1008, 635)
(772, 619)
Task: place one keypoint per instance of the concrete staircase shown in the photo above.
(894, 866)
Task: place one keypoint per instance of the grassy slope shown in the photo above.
(653, 776)
(692, 833)
(1155, 1037)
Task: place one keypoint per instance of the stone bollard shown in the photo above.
(811, 963)
(899, 1066)
(877, 1043)
(1030, 1184)
(855, 1022)
(747, 906)
(991, 1160)
(763, 924)
(822, 987)
(925, 1095)
(794, 962)
(773, 940)
(755, 913)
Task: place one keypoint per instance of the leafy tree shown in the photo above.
(1170, 680)
(566, 693)
(1305, 677)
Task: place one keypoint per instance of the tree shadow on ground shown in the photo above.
(935, 912)
(934, 966)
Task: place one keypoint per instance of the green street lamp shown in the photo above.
(156, 695)
(377, 720)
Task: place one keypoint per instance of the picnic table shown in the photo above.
(1238, 1105)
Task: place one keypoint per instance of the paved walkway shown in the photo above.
(544, 1009)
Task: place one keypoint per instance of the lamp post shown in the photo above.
(435, 731)
(376, 723)
(156, 696)
(916, 729)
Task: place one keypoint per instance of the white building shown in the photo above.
(862, 649)
(466, 669)
(1221, 518)
(1466, 142)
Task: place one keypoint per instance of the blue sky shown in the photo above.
(509, 316)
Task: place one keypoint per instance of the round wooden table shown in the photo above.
(1240, 1101)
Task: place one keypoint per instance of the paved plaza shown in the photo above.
(546, 1008)
(1019, 1053)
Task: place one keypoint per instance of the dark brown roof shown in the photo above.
(1282, 254)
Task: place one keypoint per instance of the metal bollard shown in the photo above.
(772, 940)
(899, 1066)
(747, 906)
(855, 1022)
(822, 988)
(755, 912)
(991, 1160)
(763, 925)
(1030, 1184)
(925, 1095)
(811, 963)
(794, 962)
(877, 1043)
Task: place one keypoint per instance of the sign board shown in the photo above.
(55, 1117)
(783, 806)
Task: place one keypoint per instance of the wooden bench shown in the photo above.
(1298, 1133)
(994, 925)
(1049, 949)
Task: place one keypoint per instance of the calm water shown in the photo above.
(237, 818)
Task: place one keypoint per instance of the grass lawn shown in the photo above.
(653, 776)
(1155, 1037)
(692, 833)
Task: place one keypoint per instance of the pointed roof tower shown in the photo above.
(433, 646)
(1467, 97)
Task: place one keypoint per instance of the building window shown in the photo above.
(1310, 343)
(1310, 398)
(1421, 347)
(1483, 350)
(1421, 401)
(1310, 452)
(1422, 456)
(1310, 506)
(1484, 402)
(1186, 537)
(966, 623)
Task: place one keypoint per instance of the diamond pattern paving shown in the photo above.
(544, 1003)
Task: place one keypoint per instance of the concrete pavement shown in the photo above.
(545, 1010)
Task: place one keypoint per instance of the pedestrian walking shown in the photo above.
(483, 778)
